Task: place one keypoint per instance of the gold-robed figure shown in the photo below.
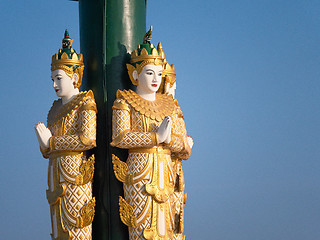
(70, 131)
(179, 197)
(149, 125)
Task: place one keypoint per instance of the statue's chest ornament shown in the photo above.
(155, 110)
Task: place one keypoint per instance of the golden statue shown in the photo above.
(148, 124)
(71, 131)
(179, 197)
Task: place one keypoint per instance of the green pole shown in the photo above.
(109, 30)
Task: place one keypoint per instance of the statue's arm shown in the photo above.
(122, 136)
(85, 138)
(179, 142)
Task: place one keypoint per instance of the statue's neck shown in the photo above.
(146, 96)
(69, 97)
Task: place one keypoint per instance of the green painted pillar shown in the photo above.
(109, 30)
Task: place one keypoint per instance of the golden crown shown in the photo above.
(147, 52)
(142, 54)
(67, 55)
(168, 76)
(168, 69)
(68, 60)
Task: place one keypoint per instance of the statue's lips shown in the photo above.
(57, 90)
(154, 85)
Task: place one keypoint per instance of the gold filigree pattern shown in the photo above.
(87, 170)
(70, 174)
(158, 109)
(86, 214)
(148, 175)
(126, 213)
(120, 169)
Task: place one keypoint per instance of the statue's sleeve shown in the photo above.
(85, 138)
(179, 145)
(122, 136)
(45, 152)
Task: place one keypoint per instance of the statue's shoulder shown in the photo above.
(121, 102)
(87, 101)
(178, 109)
(54, 110)
(82, 101)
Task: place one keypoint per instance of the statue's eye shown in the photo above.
(59, 78)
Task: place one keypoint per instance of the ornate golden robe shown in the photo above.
(179, 197)
(148, 173)
(73, 128)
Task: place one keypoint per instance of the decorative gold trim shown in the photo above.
(58, 190)
(154, 138)
(62, 153)
(156, 110)
(89, 106)
(87, 171)
(130, 73)
(63, 233)
(120, 106)
(126, 213)
(181, 220)
(119, 138)
(161, 195)
(59, 111)
(86, 214)
(152, 232)
(51, 144)
(156, 149)
(87, 141)
(120, 169)
(145, 213)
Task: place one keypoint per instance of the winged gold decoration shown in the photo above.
(126, 213)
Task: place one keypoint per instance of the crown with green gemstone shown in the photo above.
(147, 52)
(67, 55)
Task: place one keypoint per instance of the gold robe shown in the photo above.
(179, 197)
(148, 173)
(70, 173)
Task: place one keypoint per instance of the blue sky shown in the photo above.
(248, 84)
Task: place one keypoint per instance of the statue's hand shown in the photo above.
(168, 139)
(43, 135)
(190, 141)
(164, 130)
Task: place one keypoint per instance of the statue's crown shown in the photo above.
(168, 69)
(147, 51)
(67, 55)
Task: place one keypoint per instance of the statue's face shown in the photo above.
(65, 43)
(172, 90)
(62, 83)
(149, 79)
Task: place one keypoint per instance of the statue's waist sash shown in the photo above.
(158, 150)
(57, 154)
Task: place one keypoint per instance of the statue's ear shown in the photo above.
(135, 75)
(75, 79)
(167, 87)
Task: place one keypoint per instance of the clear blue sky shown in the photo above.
(248, 83)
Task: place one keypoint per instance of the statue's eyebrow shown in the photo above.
(58, 75)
